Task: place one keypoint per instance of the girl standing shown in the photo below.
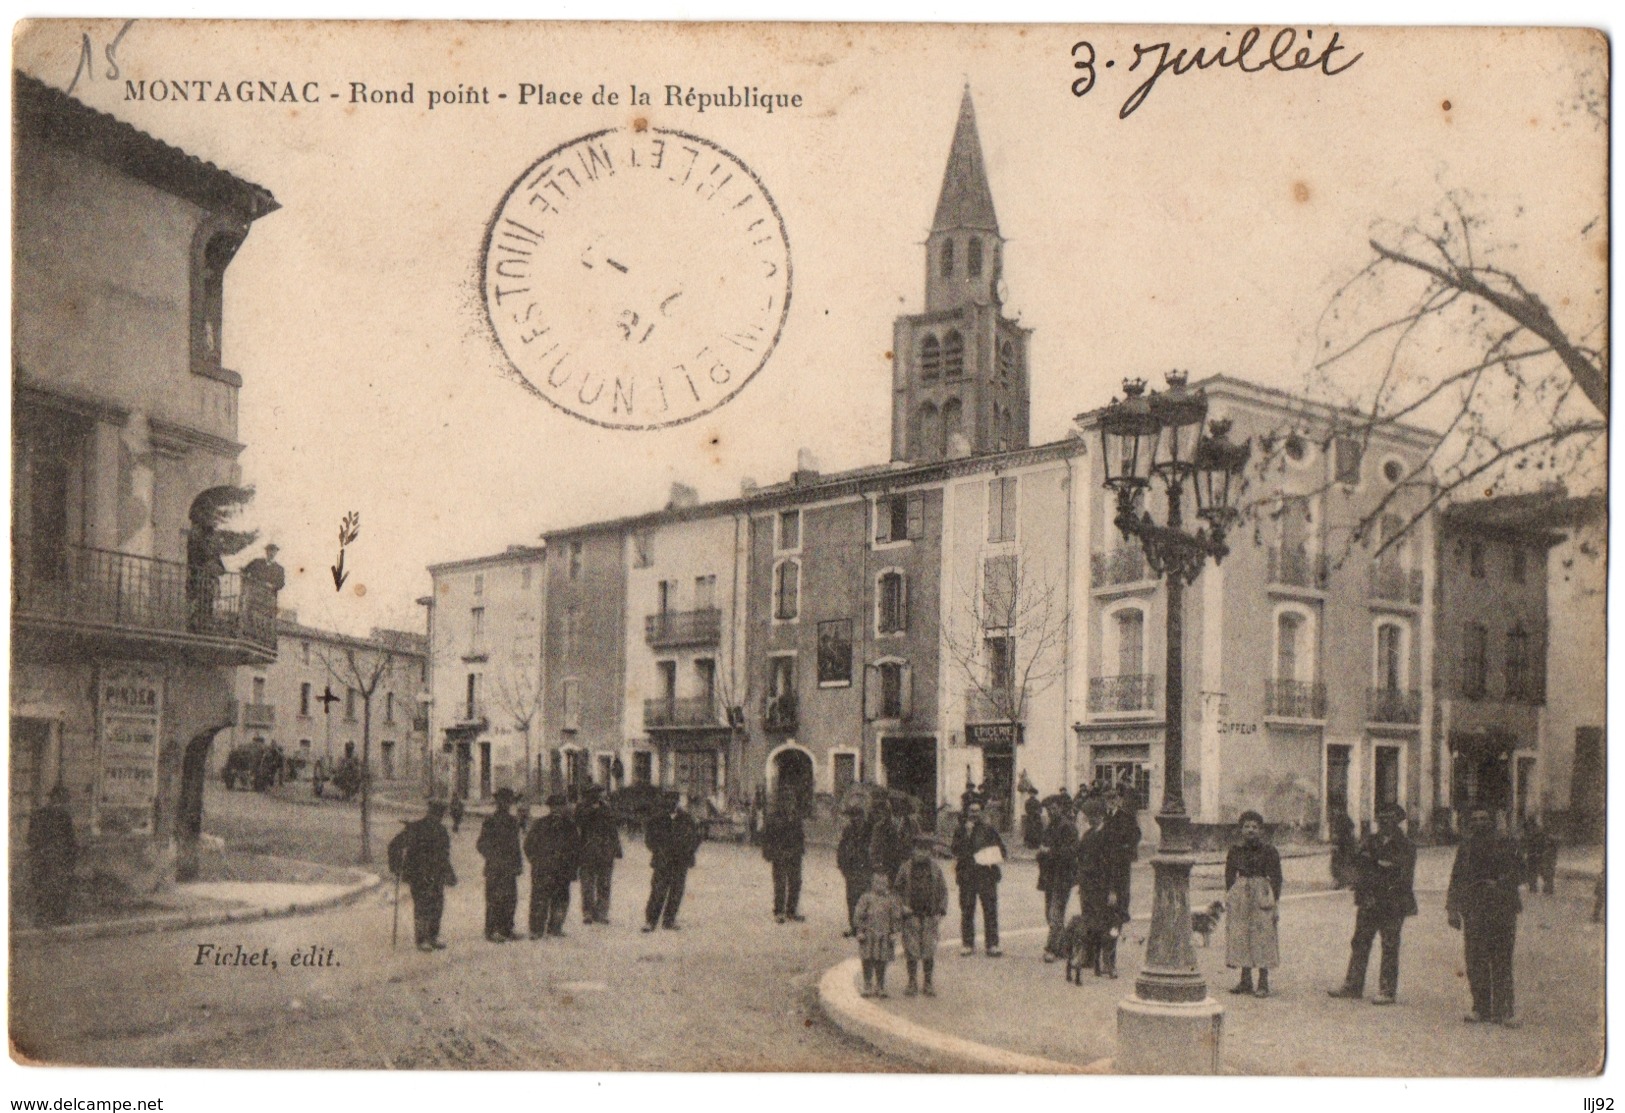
(1252, 882)
(878, 918)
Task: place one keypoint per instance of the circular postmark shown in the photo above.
(637, 279)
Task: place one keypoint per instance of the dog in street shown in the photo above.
(1206, 921)
(1075, 945)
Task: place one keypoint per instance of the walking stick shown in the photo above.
(395, 927)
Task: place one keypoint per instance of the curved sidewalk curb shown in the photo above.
(176, 921)
(925, 1047)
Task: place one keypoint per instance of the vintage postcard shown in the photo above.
(836, 548)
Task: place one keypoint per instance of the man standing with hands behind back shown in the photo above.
(1483, 902)
(1384, 873)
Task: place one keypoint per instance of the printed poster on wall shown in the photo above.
(129, 707)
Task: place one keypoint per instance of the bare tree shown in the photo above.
(518, 695)
(1008, 637)
(1435, 331)
(363, 668)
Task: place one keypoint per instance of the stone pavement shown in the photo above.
(295, 888)
(1001, 1014)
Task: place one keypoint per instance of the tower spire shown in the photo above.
(966, 201)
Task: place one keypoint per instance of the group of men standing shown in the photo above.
(1096, 860)
(566, 843)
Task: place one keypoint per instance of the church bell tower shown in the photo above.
(959, 373)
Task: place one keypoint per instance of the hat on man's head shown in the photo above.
(504, 795)
(1393, 812)
(437, 806)
(924, 842)
(557, 800)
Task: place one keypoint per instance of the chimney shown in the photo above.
(682, 497)
(748, 485)
(806, 468)
(287, 614)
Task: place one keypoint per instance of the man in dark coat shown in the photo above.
(600, 846)
(977, 880)
(553, 845)
(672, 838)
(1057, 869)
(1384, 870)
(852, 859)
(420, 855)
(891, 837)
(784, 841)
(53, 855)
(1483, 902)
(1120, 831)
(498, 844)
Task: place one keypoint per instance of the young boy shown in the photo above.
(922, 892)
(878, 917)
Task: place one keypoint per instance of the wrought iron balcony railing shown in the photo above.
(1125, 565)
(694, 713)
(779, 712)
(671, 628)
(1393, 584)
(123, 593)
(1394, 705)
(1135, 692)
(1298, 567)
(994, 706)
(1295, 699)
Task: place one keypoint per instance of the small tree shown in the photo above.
(518, 695)
(1008, 637)
(364, 669)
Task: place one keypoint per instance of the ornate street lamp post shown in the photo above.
(1170, 1025)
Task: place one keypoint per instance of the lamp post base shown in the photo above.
(1163, 1037)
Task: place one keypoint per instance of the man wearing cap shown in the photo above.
(498, 844)
(421, 855)
(600, 846)
(977, 851)
(1483, 902)
(672, 838)
(553, 845)
(1384, 870)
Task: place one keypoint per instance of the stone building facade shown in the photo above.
(126, 625)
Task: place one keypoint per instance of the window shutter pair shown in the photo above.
(914, 518)
(874, 692)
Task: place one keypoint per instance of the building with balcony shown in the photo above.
(487, 618)
(1493, 583)
(311, 701)
(126, 623)
(968, 612)
(1307, 654)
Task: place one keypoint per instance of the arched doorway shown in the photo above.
(793, 778)
(189, 810)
